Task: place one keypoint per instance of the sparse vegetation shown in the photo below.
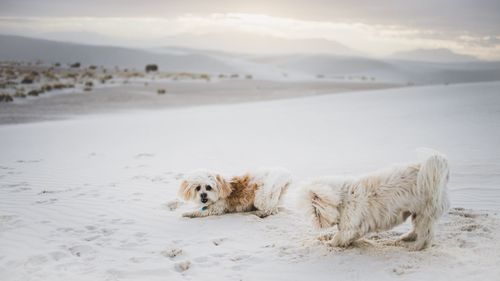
(205, 77)
(234, 76)
(151, 68)
(33, 93)
(20, 94)
(75, 65)
(46, 88)
(6, 98)
(29, 79)
(161, 91)
(248, 76)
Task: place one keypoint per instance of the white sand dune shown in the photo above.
(94, 198)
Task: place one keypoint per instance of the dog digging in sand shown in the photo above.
(260, 192)
(380, 201)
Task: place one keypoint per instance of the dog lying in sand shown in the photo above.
(260, 192)
(380, 201)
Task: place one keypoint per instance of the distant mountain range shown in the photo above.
(269, 66)
(30, 49)
(433, 55)
(233, 42)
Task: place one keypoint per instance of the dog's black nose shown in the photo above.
(203, 195)
(204, 200)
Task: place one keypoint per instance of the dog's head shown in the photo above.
(204, 187)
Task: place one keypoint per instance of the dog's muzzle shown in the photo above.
(204, 198)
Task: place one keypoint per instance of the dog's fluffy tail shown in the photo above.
(432, 179)
(320, 203)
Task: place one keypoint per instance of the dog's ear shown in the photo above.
(224, 186)
(186, 191)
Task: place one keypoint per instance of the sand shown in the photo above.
(94, 197)
(142, 94)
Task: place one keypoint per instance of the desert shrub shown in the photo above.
(161, 91)
(50, 74)
(57, 64)
(93, 67)
(248, 76)
(28, 79)
(33, 93)
(46, 88)
(89, 84)
(234, 76)
(75, 65)
(6, 98)
(87, 89)
(151, 68)
(20, 94)
(222, 76)
(105, 78)
(60, 86)
(205, 77)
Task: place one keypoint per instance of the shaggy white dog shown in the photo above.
(260, 192)
(380, 201)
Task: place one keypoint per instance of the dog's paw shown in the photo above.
(189, 215)
(325, 237)
(261, 214)
(362, 243)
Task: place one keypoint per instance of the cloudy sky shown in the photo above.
(374, 27)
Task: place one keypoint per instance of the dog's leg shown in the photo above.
(195, 214)
(412, 234)
(343, 238)
(211, 210)
(424, 229)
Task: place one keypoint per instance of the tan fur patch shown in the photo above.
(243, 194)
(185, 192)
(225, 187)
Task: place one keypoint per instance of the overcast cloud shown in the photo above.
(464, 26)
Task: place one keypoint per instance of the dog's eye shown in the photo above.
(198, 188)
(208, 188)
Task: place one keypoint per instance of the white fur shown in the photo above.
(272, 184)
(379, 201)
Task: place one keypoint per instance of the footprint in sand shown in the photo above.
(218, 241)
(29, 161)
(143, 155)
(182, 266)
(174, 204)
(81, 251)
(402, 269)
(172, 252)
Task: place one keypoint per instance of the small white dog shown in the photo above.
(380, 201)
(260, 192)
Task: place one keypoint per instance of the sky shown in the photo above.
(376, 28)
